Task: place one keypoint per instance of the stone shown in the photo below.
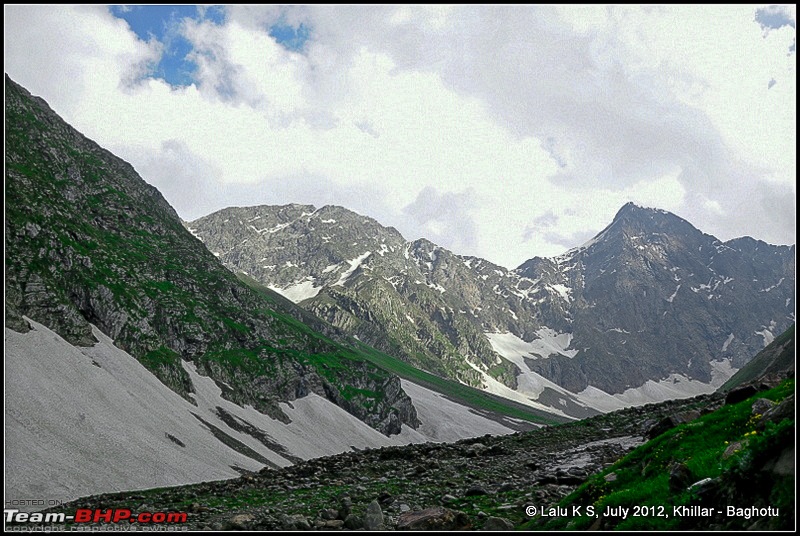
(475, 491)
(435, 518)
(353, 522)
(762, 405)
(506, 487)
(740, 393)
(373, 519)
(240, 522)
(498, 524)
(679, 477)
(784, 410)
(733, 448)
(329, 514)
(670, 422)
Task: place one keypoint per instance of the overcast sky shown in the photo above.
(501, 132)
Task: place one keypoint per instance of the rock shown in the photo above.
(353, 522)
(610, 477)
(436, 518)
(475, 491)
(345, 507)
(783, 464)
(329, 514)
(740, 393)
(784, 410)
(668, 423)
(240, 522)
(385, 499)
(447, 499)
(404, 508)
(373, 519)
(295, 522)
(498, 524)
(475, 450)
(733, 448)
(679, 477)
(762, 405)
(506, 487)
(334, 524)
(705, 489)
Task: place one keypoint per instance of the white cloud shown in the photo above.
(527, 127)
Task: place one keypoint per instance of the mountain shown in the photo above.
(134, 358)
(649, 309)
(89, 242)
(777, 360)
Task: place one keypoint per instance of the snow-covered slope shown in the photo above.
(82, 421)
(534, 386)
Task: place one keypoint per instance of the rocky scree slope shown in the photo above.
(461, 485)
(89, 242)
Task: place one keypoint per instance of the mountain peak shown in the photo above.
(632, 209)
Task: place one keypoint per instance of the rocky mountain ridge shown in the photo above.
(89, 242)
(649, 309)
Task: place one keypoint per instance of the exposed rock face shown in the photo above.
(88, 241)
(649, 297)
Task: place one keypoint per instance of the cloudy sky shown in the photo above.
(502, 132)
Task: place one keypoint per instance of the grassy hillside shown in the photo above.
(777, 358)
(730, 446)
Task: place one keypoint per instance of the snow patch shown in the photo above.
(444, 420)
(776, 285)
(298, 292)
(562, 291)
(354, 264)
(727, 342)
(767, 335)
(490, 385)
(515, 349)
(677, 386)
(674, 294)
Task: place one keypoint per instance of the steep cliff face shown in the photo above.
(89, 242)
(649, 299)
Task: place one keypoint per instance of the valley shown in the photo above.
(289, 367)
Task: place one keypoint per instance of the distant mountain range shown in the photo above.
(649, 309)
